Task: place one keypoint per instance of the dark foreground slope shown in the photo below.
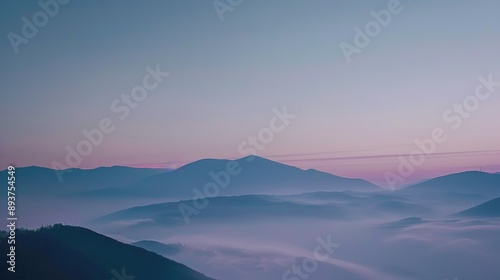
(66, 252)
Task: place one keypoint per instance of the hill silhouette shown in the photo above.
(489, 209)
(67, 252)
(470, 182)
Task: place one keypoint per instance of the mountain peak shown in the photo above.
(246, 175)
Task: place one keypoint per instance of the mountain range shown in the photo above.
(264, 218)
(251, 175)
(41, 181)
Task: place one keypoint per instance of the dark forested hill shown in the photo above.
(67, 252)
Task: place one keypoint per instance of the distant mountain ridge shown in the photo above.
(489, 209)
(232, 208)
(473, 182)
(228, 209)
(256, 176)
(44, 181)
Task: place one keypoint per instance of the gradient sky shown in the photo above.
(227, 76)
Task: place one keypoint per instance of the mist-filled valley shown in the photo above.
(255, 227)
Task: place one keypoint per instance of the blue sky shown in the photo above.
(226, 77)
